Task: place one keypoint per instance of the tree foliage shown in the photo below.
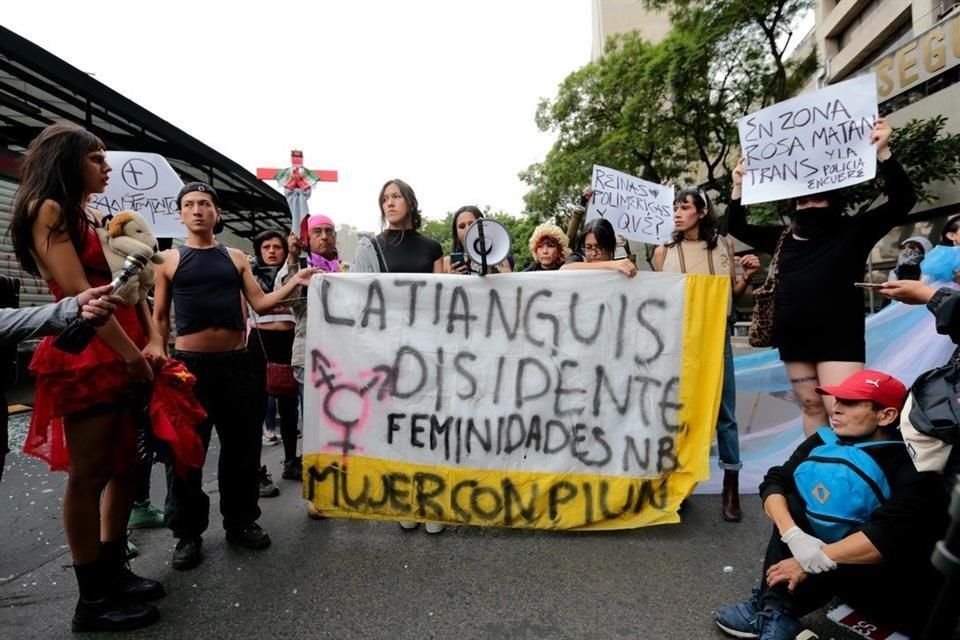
(668, 111)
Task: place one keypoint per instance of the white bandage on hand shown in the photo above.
(807, 551)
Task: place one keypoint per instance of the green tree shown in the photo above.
(668, 110)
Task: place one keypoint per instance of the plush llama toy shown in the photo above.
(128, 233)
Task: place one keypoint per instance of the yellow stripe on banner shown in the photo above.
(377, 489)
(701, 377)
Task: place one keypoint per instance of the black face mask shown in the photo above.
(814, 223)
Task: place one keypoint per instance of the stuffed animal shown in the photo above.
(128, 233)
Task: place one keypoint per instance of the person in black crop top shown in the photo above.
(207, 283)
(818, 313)
(402, 249)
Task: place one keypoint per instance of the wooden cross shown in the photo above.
(296, 160)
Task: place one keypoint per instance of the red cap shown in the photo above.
(877, 386)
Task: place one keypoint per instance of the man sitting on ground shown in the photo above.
(852, 518)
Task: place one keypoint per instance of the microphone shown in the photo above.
(80, 331)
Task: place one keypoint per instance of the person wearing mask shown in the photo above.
(912, 252)
(697, 247)
(818, 318)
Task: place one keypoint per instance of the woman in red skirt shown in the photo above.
(86, 404)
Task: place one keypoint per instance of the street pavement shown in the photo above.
(363, 579)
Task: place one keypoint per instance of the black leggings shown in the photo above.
(279, 347)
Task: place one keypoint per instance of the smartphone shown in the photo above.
(868, 285)
(303, 262)
(457, 256)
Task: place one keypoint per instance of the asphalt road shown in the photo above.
(361, 579)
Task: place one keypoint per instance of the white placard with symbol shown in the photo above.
(147, 184)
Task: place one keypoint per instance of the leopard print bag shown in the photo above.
(760, 333)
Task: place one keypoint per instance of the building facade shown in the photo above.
(914, 48)
(619, 16)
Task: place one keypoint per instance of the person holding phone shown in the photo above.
(457, 261)
(818, 320)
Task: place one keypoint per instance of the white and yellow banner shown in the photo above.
(574, 400)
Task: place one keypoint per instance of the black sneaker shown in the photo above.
(188, 554)
(112, 614)
(251, 537)
(292, 469)
(267, 488)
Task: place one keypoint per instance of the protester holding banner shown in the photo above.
(698, 248)
(549, 247)
(271, 340)
(86, 404)
(818, 319)
(320, 246)
(207, 282)
(595, 248)
(462, 219)
(400, 248)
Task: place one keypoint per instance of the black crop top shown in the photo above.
(206, 290)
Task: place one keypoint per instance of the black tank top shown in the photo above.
(206, 290)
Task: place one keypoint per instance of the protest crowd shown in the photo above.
(239, 358)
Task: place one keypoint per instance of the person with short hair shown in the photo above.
(852, 519)
(207, 282)
(549, 248)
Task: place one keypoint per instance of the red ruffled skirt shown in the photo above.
(71, 383)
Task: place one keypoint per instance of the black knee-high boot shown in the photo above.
(99, 610)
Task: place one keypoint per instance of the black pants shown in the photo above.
(276, 346)
(898, 595)
(226, 387)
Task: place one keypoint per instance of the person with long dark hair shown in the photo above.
(462, 219)
(696, 247)
(595, 248)
(86, 404)
(818, 322)
(400, 249)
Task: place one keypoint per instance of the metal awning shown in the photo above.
(38, 88)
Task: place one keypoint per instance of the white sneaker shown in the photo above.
(408, 524)
(433, 527)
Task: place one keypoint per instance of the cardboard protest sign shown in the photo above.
(147, 184)
(815, 142)
(637, 209)
(582, 401)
